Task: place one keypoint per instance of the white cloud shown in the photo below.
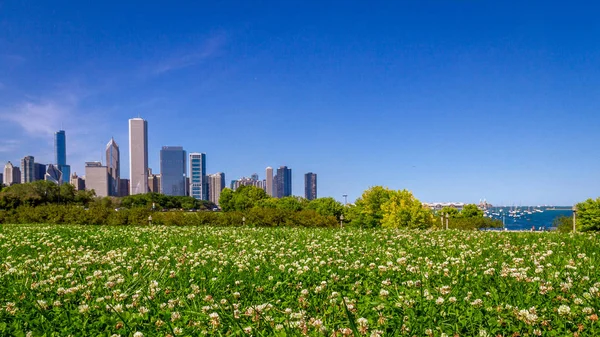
(9, 146)
(209, 48)
(36, 119)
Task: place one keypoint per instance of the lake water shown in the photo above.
(526, 221)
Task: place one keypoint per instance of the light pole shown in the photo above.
(243, 221)
(447, 217)
(442, 219)
(345, 199)
(150, 220)
(342, 221)
(574, 218)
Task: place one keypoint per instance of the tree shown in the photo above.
(451, 211)
(326, 207)
(368, 207)
(563, 224)
(471, 211)
(291, 203)
(226, 200)
(243, 198)
(588, 215)
(404, 210)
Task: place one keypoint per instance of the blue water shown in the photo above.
(526, 221)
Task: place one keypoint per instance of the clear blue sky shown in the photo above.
(454, 100)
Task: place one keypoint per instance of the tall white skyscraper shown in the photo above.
(216, 183)
(138, 156)
(269, 183)
(27, 170)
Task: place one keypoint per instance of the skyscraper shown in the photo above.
(77, 182)
(172, 171)
(216, 184)
(39, 171)
(283, 182)
(153, 182)
(138, 156)
(269, 183)
(123, 186)
(53, 174)
(27, 170)
(96, 178)
(310, 186)
(60, 151)
(113, 165)
(198, 184)
(12, 174)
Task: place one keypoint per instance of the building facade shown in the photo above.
(40, 171)
(77, 182)
(252, 181)
(96, 178)
(283, 182)
(53, 174)
(12, 174)
(113, 166)
(197, 174)
(153, 182)
(124, 187)
(60, 152)
(27, 170)
(310, 186)
(138, 156)
(269, 181)
(172, 171)
(216, 184)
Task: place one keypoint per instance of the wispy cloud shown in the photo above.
(208, 49)
(8, 146)
(38, 119)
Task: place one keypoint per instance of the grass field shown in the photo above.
(157, 281)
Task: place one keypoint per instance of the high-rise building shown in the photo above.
(197, 173)
(113, 165)
(216, 184)
(60, 151)
(1, 179)
(283, 182)
(39, 171)
(27, 170)
(310, 186)
(96, 178)
(12, 174)
(172, 171)
(124, 187)
(252, 181)
(269, 181)
(153, 182)
(138, 156)
(77, 182)
(53, 174)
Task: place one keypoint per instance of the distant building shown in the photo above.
(153, 182)
(77, 182)
(12, 174)
(283, 182)
(27, 170)
(124, 187)
(310, 186)
(53, 174)
(269, 181)
(197, 173)
(138, 156)
(96, 178)
(216, 184)
(172, 171)
(60, 151)
(39, 171)
(113, 165)
(252, 181)
(1, 179)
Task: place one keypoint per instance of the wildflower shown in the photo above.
(84, 308)
(564, 310)
(439, 301)
(138, 334)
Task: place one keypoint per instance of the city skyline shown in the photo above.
(455, 101)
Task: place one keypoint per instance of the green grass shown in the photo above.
(75, 280)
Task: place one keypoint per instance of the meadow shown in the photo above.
(170, 281)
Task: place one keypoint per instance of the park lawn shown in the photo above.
(157, 281)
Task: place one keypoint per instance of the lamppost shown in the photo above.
(442, 219)
(150, 220)
(342, 221)
(345, 199)
(243, 221)
(574, 218)
(447, 217)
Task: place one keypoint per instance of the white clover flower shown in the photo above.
(138, 334)
(439, 301)
(564, 310)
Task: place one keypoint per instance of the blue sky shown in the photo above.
(454, 100)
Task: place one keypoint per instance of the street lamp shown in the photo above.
(574, 218)
(150, 220)
(442, 219)
(345, 199)
(342, 221)
(447, 217)
(243, 221)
